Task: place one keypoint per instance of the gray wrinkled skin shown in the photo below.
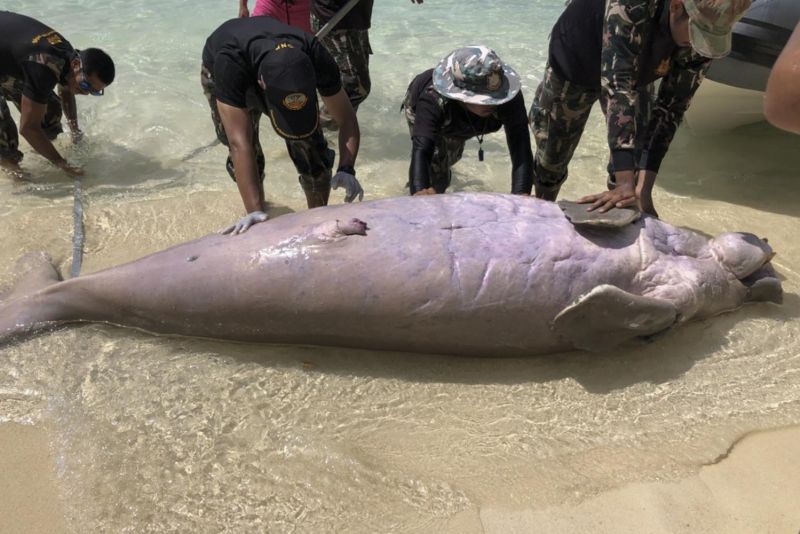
(467, 273)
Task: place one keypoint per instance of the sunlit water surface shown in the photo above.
(161, 434)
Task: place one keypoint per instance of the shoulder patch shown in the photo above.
(52, 37)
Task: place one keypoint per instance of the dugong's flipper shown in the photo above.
(613, 218)
(607, 316)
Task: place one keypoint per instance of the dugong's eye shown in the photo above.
(741, 253)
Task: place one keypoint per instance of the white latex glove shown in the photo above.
(351, 186)
(254, 217)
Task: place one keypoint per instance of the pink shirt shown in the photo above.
(298, 12)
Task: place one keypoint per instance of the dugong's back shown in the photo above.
(470, 274)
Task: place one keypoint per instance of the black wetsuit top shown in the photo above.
(358, 18)
(437, 116)
(35, 53)
(234, 51)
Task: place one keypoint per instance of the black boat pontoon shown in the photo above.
(757, 41)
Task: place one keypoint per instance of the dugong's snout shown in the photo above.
(748, 258)
(741, 253)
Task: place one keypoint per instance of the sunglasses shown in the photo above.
(85, 86)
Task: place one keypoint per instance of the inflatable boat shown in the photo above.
(757, 42)
(732, 94)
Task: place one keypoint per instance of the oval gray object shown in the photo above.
(613, 218)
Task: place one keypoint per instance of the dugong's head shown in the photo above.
(747, 258)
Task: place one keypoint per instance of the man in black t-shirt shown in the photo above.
(349, 44)
(34, 59)
(469, 94)
(259, 65)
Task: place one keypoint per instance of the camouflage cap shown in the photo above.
(711, 23)
(474, 74)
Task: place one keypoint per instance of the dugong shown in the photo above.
(466, 273)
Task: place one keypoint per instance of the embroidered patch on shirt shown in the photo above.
(52, 37)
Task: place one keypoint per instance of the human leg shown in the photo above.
(557, 118)
(313, 160)
(10, 156)
(448, 152)
(255, 116)
(351, 50)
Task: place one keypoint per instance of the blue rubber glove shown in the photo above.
(246, 222)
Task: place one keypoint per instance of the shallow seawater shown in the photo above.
(163, 434)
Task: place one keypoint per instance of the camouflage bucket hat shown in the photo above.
(711, 23)
(474, 74)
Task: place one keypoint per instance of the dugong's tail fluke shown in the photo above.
(21, 313)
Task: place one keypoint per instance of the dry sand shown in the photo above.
(754, 489)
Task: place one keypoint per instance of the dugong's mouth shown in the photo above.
(763, 285)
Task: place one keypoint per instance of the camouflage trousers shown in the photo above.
(311, 156)
(557, 119)
(11, 90)
(351, 50)
(447, 152)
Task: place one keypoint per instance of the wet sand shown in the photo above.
(102, 381)
(159, 434)
(29, 498)
(753, 488)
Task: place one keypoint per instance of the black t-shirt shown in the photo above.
(451, 119)
(33, 52)
(358, 18)
(576, 44)
(234, 51)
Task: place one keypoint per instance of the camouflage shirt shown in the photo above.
(34, 53)
(628, 27)
(619, 49)
(674, 95)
